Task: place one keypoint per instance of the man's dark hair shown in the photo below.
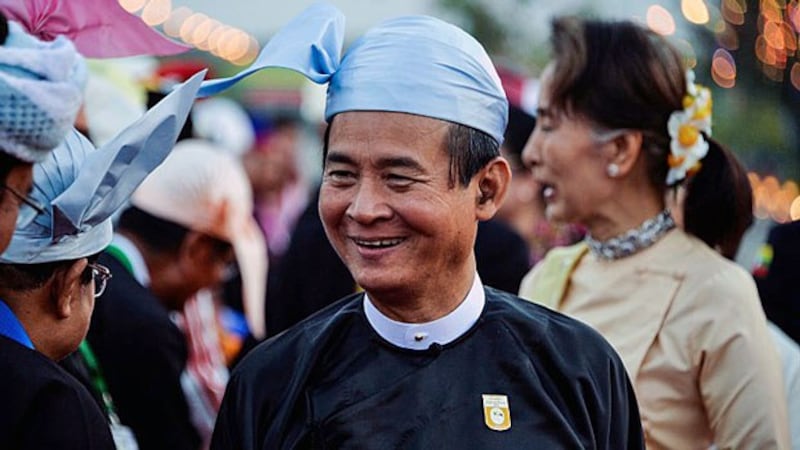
(26, 277)
(7, 162)
(3, 28)
(157, 234)
(469, 150)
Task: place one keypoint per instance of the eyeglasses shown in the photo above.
(24, 199)
(101, 275)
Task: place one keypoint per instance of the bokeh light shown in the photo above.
(215, 38)
(199, 37)
(733, 11)
(695, 11)
(660, 20)
(723, 69)
(187, 29)
(772, 10)
(156, 12)
(794, 75)
(773, 200)
(727, 37)
(774, 35)
(794, 210)
(172, 27)
(132, 5)
(793, 15)
(250, 54)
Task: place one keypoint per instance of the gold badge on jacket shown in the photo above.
(496, 412)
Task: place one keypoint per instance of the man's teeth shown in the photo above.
(548, 192)
(378, 243)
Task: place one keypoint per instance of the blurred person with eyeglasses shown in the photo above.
(50, 277)
(189, 225)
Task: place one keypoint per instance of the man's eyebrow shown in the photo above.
(336, 157)
(383, 163)
(399, 162)
(543, 112)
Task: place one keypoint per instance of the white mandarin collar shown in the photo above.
(420, 336)
(134, 256)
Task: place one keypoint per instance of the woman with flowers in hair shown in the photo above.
(620, 122)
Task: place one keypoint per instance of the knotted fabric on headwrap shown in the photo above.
(205, 189)
(81, 187)
(310, 44)
(41, 89)
(99, 28)
(414, 64)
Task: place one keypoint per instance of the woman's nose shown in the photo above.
(531, 156)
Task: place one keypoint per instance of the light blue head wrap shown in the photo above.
(414, 64)
(81, 187)
(41, 90)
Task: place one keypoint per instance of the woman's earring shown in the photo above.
(612, 170)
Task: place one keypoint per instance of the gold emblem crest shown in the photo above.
(496, 412)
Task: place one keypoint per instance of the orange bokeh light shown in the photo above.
(793, 15)
(794, 209)
(695, 11)
(733, 11)
(723, 69)
(772, 10)
(660, 20)
(794, 75)
(774, 34)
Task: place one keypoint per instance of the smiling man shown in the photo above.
(426, 357)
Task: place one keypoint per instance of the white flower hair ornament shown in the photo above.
(687, 128)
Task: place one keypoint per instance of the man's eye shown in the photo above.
(341, 176)
(399, 180)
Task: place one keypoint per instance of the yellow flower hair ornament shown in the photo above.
(686, 130)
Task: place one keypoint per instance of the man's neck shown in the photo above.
(415, 305)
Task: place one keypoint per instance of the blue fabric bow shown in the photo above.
(82, 187)
(413, 64)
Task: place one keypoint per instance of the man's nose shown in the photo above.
(369, 204)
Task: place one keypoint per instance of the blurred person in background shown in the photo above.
(188, 225)
(619, 120)
(49, 278)
(776, 277)
(43, 81)
(279, 191)
(44, 306)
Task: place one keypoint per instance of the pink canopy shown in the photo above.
(99, 28)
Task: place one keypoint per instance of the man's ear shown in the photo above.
(493, 181)
(193, 250)
(66, 287)
(625, 151)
